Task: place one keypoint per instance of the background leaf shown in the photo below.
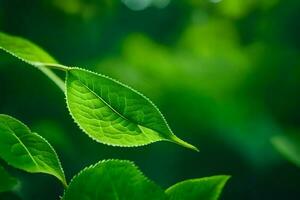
(7, 182)
(289, 146)
(208, 188)
(26, 150)
(113, 113)
(110, 180)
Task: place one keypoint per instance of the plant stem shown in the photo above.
(177, 140)
(52, 66)
(60, 83)
(65, 185)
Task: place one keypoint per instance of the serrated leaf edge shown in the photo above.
(62, 179)
(35, 64)
(112, 160)
(55, 79)
(173, 138)
(223, 180)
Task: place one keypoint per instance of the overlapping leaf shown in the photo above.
(26, 150)
(208, 188)
(112, 180)
(122, 180)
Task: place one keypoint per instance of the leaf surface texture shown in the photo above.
(208, 188)
(112, 180)
(113, 113)
(27, 150)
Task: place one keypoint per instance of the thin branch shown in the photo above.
(52, 66)
(60, 83)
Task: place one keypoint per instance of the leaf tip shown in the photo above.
(180, 142)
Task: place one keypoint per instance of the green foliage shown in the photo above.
(119, 179)
(26, 150)
(113, 113)
(110, 180)
(225, 73)
(108, 111)
(7, 182)
(208, 188)
(31, 54)
(24, 50)
(289, 146)
(55, 134)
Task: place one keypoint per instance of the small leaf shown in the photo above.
(113, 113)
(111, 180)
(208, 188)
(7, 182)
(26, 150)
(289, 146)
(31, 54)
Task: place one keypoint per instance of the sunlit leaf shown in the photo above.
(7, 182)
(289, 146)
(113, 113)
(111, 180)
(208, 188)
(26, 150)
(108, 111)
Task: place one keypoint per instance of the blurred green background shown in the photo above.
(225, 73)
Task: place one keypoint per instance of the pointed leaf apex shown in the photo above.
(180, 142)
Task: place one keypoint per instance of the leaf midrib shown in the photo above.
(116, 195)
(23, 145)
(107, 104)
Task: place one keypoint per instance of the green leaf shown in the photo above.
(289, 146)
(208, 188)
(31, 54)
(26, 150)
(108, 111)
(24, 50)
(113, 113)
(7, 182)
(112, 180)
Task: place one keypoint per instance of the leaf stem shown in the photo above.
(177, 140)
(53, 66)
(65, 185)
(60, 83)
